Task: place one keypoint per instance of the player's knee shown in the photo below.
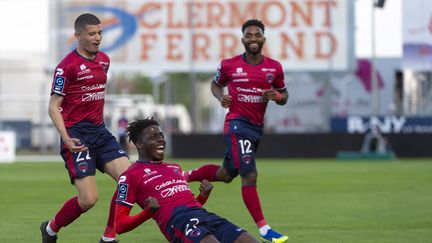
(250, 179)
(88, 202)
(227, 179)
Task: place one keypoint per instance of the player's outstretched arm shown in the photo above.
(205, 189)
(125, 223)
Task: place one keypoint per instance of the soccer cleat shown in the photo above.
(274, 237)
(46, 238)
(113, 241)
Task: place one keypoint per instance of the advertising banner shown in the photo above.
(180, 35)
(7, 146)
(417, 30)
(386, 124)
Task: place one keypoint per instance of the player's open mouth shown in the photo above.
(254, 45)
(160, 149)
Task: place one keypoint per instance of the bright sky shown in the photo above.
(24, 27)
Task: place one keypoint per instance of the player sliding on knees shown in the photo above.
(160, 189)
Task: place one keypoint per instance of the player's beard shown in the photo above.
(253, 51)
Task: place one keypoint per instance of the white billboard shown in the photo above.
(180, 35)
(7, 146)
(417, 30)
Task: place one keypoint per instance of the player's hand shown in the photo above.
(205, 187)
(269, 94)
(74, 145)
(226, 101)
(152, 204)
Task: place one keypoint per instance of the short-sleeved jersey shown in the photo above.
(246, 84)
(163, 181)
(82, 83)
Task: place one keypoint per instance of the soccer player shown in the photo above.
(160, 189)
(76, 109)
(252, 80)
(121, 131)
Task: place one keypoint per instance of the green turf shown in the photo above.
(310, 200)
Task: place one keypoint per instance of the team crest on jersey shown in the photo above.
(122, 191)
(269, 77)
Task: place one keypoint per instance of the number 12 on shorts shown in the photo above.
(245, 146)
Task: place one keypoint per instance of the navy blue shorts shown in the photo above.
(241, 140)
(191, 224)
(102, 148)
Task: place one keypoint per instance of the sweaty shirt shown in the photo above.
(246, 83)
(82, 83)
(162, 181)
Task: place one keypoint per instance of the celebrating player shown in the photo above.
(76, 109)
(160, 189)
(253, 80)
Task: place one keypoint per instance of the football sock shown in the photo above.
(70, 211)
(110, 233)
(252, 202)
(263, 230)
(50, 231)
(207, 172)
(107, 239)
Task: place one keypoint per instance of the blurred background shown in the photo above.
(350, 65)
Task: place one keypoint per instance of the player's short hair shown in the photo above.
(135, 128)
(85, 19)
(253, 22)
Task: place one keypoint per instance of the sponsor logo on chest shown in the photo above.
(239, 73)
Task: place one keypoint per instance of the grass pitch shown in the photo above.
(313, 201)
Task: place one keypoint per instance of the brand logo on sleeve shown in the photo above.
(122, 191)
(59, 84)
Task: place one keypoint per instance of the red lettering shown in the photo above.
(194, 9)
(238, 17)
(147, 43)
(146, 8)
(228, 45)
(215, 15)
(305, 14)
(331, 45)
(201, 43)
(171, 22)
(288, 44)
(272, 9)
(327, 11)
(173, 50)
